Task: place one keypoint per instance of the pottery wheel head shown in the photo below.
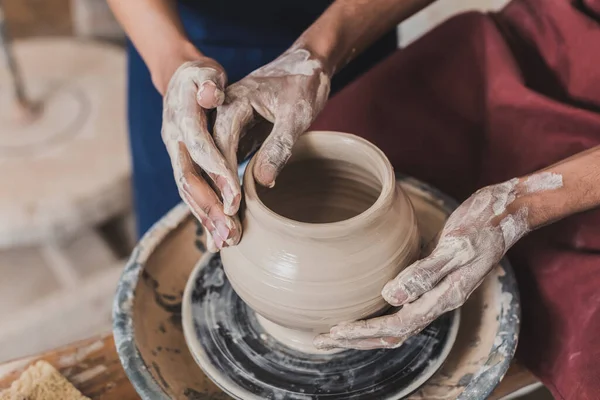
(73, 89)
(230, 345)
(60, 112)
(68, 159)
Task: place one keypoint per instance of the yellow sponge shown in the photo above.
(41, 381)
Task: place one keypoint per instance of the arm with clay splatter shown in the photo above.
(476, 236)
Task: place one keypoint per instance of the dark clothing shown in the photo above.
(485, 98)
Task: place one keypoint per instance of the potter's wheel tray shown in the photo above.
(68, 166)
(230, 345)
(150, 340)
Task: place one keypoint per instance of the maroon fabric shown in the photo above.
(484, 98)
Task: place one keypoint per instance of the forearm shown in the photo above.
(155, 29)
(572, 187)
(347, 27)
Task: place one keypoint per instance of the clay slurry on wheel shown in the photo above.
(229, 344)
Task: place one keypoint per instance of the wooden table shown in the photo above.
(93, 366)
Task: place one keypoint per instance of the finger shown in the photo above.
(326, 342)
(232, 120)
(448, 295)
(205, 154)
(209, 95)
(386, 325)
(420, 277)
(203, 201)
(275, 151)
(232, 241)
(210, 80)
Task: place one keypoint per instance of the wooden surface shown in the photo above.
(93, 367)
(27, 18)
(516, 378)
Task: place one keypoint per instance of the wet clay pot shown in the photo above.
(319, 246)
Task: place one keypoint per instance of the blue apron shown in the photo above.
(242, 36)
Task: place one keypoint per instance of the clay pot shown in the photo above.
(319, 246)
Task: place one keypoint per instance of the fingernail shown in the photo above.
(335, 332)
(217, 240)
(206, 95)
(235, 235)
(235, 203)
(222, 229)
(267, 175)
(204, 86)
(393, 294)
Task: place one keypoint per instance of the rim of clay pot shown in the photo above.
(384, 173)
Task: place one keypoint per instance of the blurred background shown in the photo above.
(65, 220)
(66, 226)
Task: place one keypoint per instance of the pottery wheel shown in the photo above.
(229, 344)
(68, 166)
(148, 314)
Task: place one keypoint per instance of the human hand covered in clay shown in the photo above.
(195, 87)
(474, 239)
(288, 93)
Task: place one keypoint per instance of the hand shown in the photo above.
(289, 93)
(474, 239)
(197, 86)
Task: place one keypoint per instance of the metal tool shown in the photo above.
(11, 63)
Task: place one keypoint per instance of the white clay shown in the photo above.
(543, 181)
(318, 248)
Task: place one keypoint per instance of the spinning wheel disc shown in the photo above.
(229, 344)
(68, 166)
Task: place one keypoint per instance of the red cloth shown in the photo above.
(484, 98)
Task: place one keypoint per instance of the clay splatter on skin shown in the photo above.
(504, 194)
(288, 92)
(475, 238)
(188, 142)
(543, 181)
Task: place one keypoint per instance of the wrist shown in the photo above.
(325, 41)
(543, 205)
(165, 64)
(323, 51)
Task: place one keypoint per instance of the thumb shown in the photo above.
(274, 153)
